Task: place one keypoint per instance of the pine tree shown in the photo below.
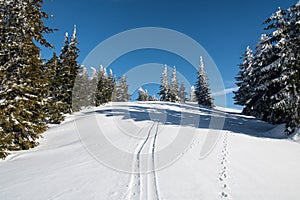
(245, 91)
(62, 76)
(253, 101)
(284, 26)
(193, 97)
(69, 70)
(182, 93)
(111, 87)
(274, 77)
(54, 106)
(105, 87)
(81, 90)
(202, 88)
(100, 94)
(92, 87)
(121, 92)
(164, 87)
(173, 93)
(291, 74)
(142, 95)
(22, 89)
(152, 98)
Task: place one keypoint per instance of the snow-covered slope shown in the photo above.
(155, 151)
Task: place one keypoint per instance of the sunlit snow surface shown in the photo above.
(251, 159)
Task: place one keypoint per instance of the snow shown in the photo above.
(249, 160)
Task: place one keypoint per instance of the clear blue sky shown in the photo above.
(223, 28)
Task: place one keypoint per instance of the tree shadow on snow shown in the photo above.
(194, 116)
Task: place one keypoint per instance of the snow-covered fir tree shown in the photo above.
(257, 100)
(105, 87)
(152, 98)
(22, 88)
(69, 70)
(102, 85)
(164, 87)
(245, 86)
(202, 88)
(142, 95)
(193, 97)
(121, 91)
(291, 74)
(93, 81)
(182, 93)
(112, 87)
(284, 27)
(54, 106)
(81, 90)
(173, 92)
(274, 78)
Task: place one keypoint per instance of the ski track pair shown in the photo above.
(143, 180)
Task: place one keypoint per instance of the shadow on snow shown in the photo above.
(192, 115)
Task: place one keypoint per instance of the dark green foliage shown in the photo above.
(170, 92)
(105, 87)
(142, 95)
(202, 88)
(121, 91)
(244, 82)
(54, 106)
(22, 88)
(270, 90)
(152, 98)
(164, 86)
(68, 71)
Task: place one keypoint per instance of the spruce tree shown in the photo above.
(202, 88)
(142, 95)
(164, 87)
(81, 90)
(93, 81)
(245, 86)
(284, 27)
(62, 76)
(254, 101)
(193, 95)
(152, 98)
(111, 87)
(106, 87)
(69, 70)
(22, 88)
(182, 93)
(274, 77)
(291, 73)
(173, 93)
(121, 91)
(54, 106)
(100, 94)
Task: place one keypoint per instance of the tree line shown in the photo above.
(35, 92)
(269, 76)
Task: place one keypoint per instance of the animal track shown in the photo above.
(223, 174)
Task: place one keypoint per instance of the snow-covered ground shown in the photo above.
(154, 151)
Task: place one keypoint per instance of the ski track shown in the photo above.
(121, 180)
(143, 184)
(223, 174)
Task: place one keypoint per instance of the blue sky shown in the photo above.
(223, 28)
